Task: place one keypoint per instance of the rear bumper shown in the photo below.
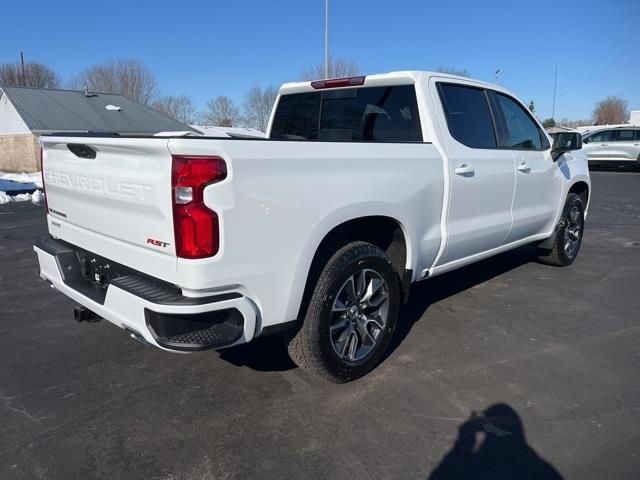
(162, 316)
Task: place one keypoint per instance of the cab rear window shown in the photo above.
(368, 114)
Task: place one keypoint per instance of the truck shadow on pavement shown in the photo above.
(431, 291)
(264, 354)
(492, 445)
(270, 354)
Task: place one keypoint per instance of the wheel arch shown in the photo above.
(581, 188)
(386, 232)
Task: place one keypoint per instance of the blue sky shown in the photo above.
(204, 49)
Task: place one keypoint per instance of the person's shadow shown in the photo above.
(492, 445)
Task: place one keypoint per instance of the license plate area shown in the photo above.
(91, 275)
(97, 270)
(88, 273)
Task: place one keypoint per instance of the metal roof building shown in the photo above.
(26, 113)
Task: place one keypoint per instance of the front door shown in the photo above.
(596, 147)
(538, 179)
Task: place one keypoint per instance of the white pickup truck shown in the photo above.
(361, 187)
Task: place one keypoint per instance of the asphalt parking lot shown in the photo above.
(554, 351)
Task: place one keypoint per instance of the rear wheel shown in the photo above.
(351, 315)
(568, 235)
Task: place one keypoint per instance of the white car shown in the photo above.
(618, 145)
(363, 186)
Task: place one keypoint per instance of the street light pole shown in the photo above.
(24, 83)
(555, 85)
(326, 38)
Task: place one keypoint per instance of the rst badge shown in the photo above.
(157, 243)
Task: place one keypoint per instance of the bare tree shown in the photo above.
(610, 111)
(34, 75)
(565, 122)
(338, 68)
(461, 72)
(127, 77)
(257, 107)
(179, 107)
(222, 112)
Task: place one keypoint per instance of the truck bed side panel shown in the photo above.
(282, 198)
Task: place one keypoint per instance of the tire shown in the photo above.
(340, 339)
(568, 235)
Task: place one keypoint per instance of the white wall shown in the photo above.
(10, 121)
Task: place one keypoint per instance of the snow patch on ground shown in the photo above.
(35, 178)
(27, 178)
(36, 197)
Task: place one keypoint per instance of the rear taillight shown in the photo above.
(44, 190)
(196, 227)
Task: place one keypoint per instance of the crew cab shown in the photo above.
(361, 187)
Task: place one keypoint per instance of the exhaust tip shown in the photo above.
(136, 336)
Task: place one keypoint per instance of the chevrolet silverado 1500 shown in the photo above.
(362, 186)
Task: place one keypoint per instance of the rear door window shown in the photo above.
(468, 115)
(623, 136)
(369, 114)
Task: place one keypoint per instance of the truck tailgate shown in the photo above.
(112, 191)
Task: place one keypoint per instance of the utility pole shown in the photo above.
(22, 68)
(326, 38)
(555, 85)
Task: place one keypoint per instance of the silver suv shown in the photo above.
(620, 144)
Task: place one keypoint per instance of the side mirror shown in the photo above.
(565, 142)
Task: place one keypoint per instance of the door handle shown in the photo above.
(604, 144)
(523, 167)
(464, 169)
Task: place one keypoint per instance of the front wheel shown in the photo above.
(351, 316)
(568, 235)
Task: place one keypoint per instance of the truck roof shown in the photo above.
(407, 77)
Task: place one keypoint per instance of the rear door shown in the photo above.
(538, 182)
(624, 145)
(481, 175)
